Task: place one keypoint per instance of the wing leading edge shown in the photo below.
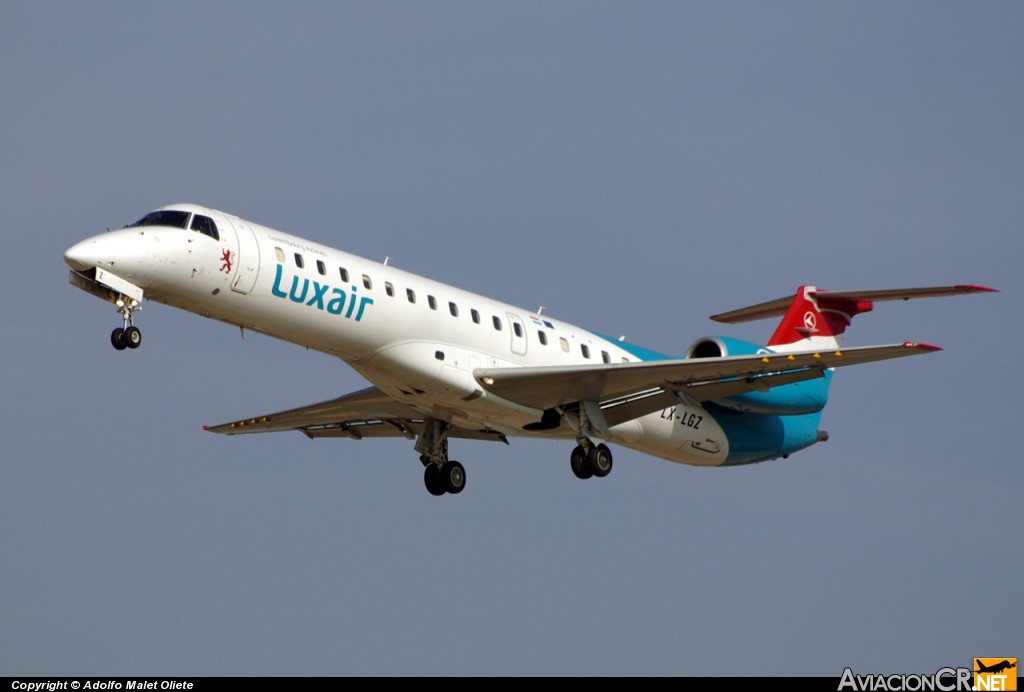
(703, 379)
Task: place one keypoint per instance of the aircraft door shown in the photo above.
(518, 329)
(247, 264)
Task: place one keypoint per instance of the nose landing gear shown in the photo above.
(127, 336)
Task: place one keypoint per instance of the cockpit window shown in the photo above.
(174, 219)
(205, 225)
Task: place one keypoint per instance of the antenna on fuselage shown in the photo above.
(386, 260)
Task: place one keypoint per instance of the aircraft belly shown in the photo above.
(436, 378)
(626, 433)
(430, 367)
(683, 434)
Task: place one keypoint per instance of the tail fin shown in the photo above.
(814, 319)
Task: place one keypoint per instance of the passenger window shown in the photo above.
(411, 295)
(279, 253)
(432, 302)
(605, 357)
(497, 322)
(389, 289)
(585, 350)
(205, 225)
(564, 343)
(542, 337)
(321, 267)
(343, 273)
(454, 309)
(517, 328)
(298, 261)
(366, 282)
(475, 315)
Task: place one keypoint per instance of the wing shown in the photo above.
(635, 389)
(366, 413)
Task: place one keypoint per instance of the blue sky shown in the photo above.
(634, 167)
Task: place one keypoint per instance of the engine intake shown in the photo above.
(719, 346)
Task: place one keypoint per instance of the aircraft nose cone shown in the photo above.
(82, 256)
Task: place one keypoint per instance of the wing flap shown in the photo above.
(366, 404)
(703, 378)
(622, 410)
(366, 413)
(394, 427)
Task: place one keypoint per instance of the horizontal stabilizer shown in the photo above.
(776, 308)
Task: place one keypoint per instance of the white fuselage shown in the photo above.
(416, 339)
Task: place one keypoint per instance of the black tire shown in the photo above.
(600, 460)
(132, 337)
(117, 339)
(580, 466)
(454, 477)
(432, 479)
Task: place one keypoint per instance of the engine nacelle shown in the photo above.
(719, 346)
(786, 400)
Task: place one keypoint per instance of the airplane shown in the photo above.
(997, 667)
(444, 363)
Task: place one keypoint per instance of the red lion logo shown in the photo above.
(226, 259)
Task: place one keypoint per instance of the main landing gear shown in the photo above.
(440, 475)
(589, 460)
(129, 335)
(449, 477)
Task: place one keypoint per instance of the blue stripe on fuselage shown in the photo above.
(755, 437)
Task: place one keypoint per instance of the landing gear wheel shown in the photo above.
(453, 476)
(117, 339)
(132, 337)
(599, 459)
(580, 466)
(432, 479)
